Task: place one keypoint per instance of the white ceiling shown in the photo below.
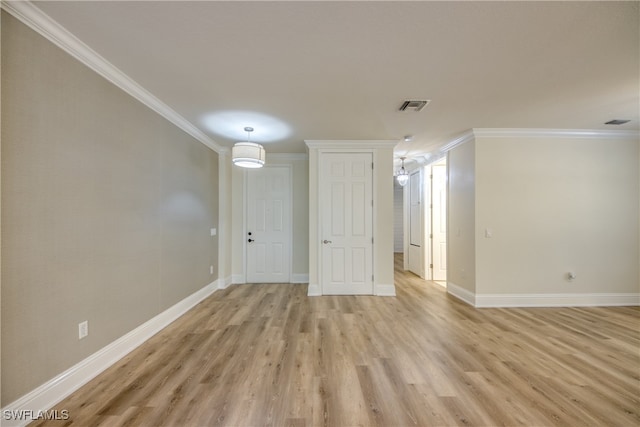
(340, 70)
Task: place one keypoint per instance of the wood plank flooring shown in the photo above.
(268, 355)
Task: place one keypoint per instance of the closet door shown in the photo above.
(346, 215)
(416, 236)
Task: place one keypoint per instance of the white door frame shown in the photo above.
(245, 207)
(318, 239)
(321, 217)
(383, 237)
(434, 206)
(428, 218)
(427, 197)
(420, 250)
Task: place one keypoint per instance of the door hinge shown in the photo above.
(431, 236)
(373, 279)
(371, 165)
(372, 240)
(430, 265)
(372, 203)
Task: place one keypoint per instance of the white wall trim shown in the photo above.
(299, 278)
(44, 25)
(384, 290)
(461, 293)
(464, 138)
(53, 391)
(225, 283)
(349, 144)
(558, 300)
(314, 290)
(554, 133)
(279, 157)
(537, 133)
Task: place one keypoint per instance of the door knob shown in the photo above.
(325, 241)
(250, 240)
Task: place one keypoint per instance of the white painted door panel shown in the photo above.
(415, 224)
(346, 212)
(269, 222)
(439, 222)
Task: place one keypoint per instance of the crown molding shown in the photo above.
(462, 139)
(554, 133)
(471, 134)
(287, 156)
(351, 143)
(43, 24)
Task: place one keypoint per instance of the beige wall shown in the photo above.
(552, 205)
(383, 216)
(461, 239)
(106, 210)
(556, 205)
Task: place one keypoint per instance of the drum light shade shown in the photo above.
(248, 155)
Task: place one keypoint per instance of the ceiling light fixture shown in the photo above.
(247, 154)
(407, 138)
(402, 175)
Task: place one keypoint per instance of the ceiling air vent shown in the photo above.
(413, 105)
(617, 122)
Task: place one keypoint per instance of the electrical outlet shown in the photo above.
(211, 269)
(214, 231)
(83, 329)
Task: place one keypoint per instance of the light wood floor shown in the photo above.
(254, 355)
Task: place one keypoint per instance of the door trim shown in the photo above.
(245, 214)
(419, 171)
(321, 232)
(318, 290)
(382, 151)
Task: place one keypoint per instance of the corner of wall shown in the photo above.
(385, 290)
(314, 290)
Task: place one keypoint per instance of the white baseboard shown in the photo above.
(238, 279)
(543, 300)
(299, 278)
(56, 389)
(461, 293)
(314, 290)
(385, 290)
(557, 300)
(225, 283)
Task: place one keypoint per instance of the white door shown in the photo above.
(415, 224)
(439, 222)
(268, 225)
(346, 197)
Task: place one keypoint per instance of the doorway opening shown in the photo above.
(438, 222)
(420, 222)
